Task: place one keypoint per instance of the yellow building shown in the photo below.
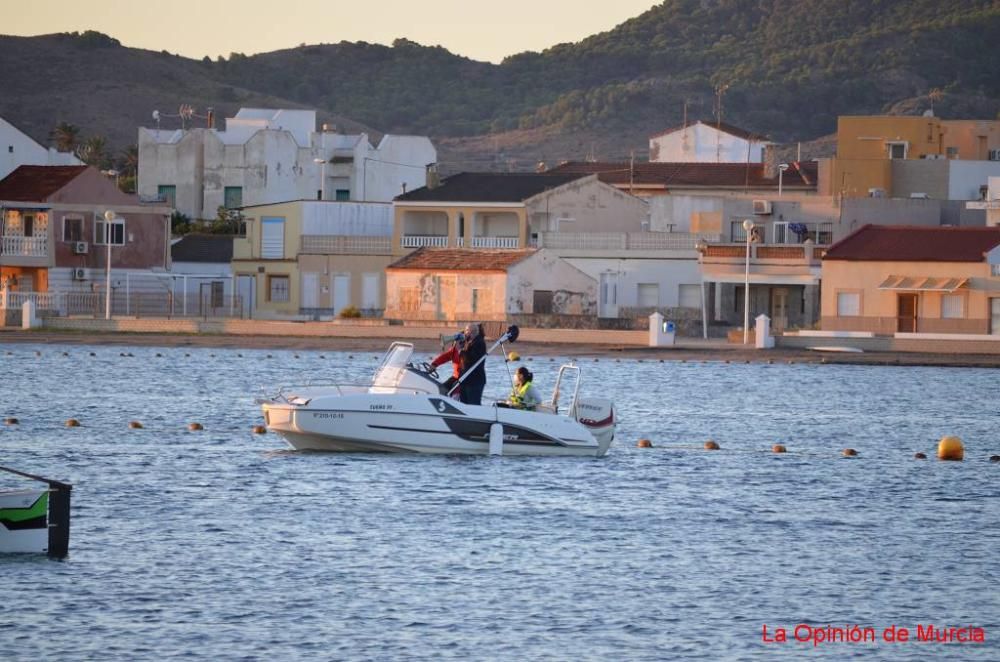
(313, 258)
(890, 280)
(868, 145)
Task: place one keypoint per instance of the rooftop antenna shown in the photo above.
(156, 118)
(720, 89)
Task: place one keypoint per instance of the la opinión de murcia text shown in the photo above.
(819, 635)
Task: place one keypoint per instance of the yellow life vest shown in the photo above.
(518, 393)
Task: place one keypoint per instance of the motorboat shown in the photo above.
(35, 520)
(406, 407)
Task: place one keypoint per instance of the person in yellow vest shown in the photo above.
(524, 395)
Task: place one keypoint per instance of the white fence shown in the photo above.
(419, 241)
(24, 246)
(134, 304)
(623, 240)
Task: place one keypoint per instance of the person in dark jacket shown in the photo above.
(471, 390)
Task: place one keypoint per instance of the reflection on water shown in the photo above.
(223, 544)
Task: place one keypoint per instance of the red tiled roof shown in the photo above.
(800, 175)
(460, 259)
(910, 243)
(721, 126)
(37, 183)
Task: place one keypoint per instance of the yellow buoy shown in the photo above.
(950, 448)
(919, 456)
(193, 427)
(849, 452)
(644, 443)
(514, 356)
(259, 429)
(711, 445)
(778, 448)
(135, 425)
(72, 423)
(11, 421)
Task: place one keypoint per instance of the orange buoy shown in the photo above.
(711, 445)
(778, 448)
(849, 452)
(194, 427)
(644, 443)
(72, 423)
(950, 448)
(259, 429)
(919, 456)
(135, 425)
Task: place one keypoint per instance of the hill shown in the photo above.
(782, 69)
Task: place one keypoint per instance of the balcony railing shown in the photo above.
(795, 252)
(622, 240)
(345, 245)
(24, 246)
(495, 242)
(419, 241)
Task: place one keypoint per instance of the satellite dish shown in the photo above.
(156, 116)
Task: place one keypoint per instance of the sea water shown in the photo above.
(222, 544)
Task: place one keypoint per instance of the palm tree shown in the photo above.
(93, 151)
(128, 160)
(65, 136)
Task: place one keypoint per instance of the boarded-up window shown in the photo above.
(689, 296)
(952, 306)
(409, 299)
(648, 295)
(272, 238)
(542, 304)
(848, 304)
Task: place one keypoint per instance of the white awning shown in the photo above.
(923, 284)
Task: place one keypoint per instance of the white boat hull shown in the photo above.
(419, 423)
(24, 521)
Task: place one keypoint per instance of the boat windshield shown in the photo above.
(393, 367)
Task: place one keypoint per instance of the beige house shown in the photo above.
(486, 285)
(892, 280)
(313, 258)
(510, 210)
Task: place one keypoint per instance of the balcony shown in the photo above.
(806, 254)
(491, 242)
(422, 240)
(345, 245)
(24, 246)
(621, 241)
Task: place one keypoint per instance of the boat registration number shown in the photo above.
(328, 415)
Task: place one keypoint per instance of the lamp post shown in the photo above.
(747, 229)
(782, 167)
(109, 217)
(322, 177)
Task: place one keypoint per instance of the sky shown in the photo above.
(477, 29)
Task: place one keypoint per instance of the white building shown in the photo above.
(265, 156)
(706, 141)
(18, 148)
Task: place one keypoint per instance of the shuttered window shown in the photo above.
(272, 238)
(848, 304)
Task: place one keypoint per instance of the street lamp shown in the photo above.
(748, 230)
(109, 218)
(782, 167)
(322, 177)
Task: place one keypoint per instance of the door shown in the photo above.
(995, 316)
(341, 292)
(310, 290)
(369, 291)
(779, 309)
(246, 288)
(907, 313)
(608, 305)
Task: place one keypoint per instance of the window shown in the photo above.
(689, 296)
(848, 304)
(10, 149)
(116, 229)
(272, 238)
(167, 193)
(29, 225)
(72, 229)
(277, 287)
(897, 150)
(233, 197)
(951, 152)
(648, 295)
(952, 306)
(542, 304)
(342, 195)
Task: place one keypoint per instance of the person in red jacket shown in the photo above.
(462, 356)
